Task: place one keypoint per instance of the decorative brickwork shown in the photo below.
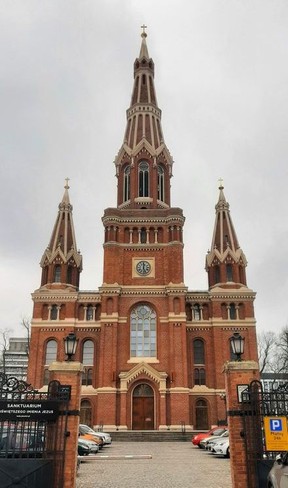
(143, 269)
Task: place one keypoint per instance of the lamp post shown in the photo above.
(70, 343)
(237, 345)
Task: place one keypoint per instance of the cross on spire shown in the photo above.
(220, 181)
(67, 184)
(143, 33)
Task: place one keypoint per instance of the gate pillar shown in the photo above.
(237, 375)
(70, 373)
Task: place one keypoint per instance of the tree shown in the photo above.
(282, 350)
(26, 323)
(4, 344)
(266, 350)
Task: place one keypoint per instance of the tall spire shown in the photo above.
(143, 137)
(61, 262)
(225, 262)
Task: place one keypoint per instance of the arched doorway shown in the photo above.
(86, 413)
(143, 407)
(201, 415)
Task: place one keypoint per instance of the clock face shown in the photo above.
(143, 268)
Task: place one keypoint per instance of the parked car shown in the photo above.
(221, 446)
(85, 429)
(209, 442)
(278, 475)
(92, 438)
(199, 437)
(84, 446)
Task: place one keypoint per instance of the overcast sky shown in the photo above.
(66, 77)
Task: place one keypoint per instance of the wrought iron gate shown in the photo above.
(33, 428)
(256, 405)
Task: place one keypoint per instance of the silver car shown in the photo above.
(278, 476)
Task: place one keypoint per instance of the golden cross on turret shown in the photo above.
(67, 184)
(144, 33)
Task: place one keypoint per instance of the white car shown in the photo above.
(278, 475)
(222, 447)
(218, 440)
(205, 442)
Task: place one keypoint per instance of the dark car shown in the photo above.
(83, 447)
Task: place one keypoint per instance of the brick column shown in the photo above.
(69, 373)
(238, 373)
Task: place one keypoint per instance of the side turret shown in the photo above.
(61, 263)
(225, 262)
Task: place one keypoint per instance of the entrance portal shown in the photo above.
(143, 408)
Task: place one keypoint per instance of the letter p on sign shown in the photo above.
(276, 425)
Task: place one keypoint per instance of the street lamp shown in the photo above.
(70, 343)
(237, 345)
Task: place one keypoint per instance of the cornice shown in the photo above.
(138, 220)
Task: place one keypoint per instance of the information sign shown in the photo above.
(276, 434)
(46, 410)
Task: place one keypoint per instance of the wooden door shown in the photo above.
(143, 408)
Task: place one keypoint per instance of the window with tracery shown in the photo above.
(143, 332)
(161, 174)
(54, 312)
(57, 274)
(51, 351)
(126, 186)
(143, 179)
(199, 359)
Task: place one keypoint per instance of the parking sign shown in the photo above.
(276, 435)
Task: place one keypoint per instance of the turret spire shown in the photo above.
(61, 262)
(225, 262)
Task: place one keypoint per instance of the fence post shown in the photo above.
(237, 375)
(70, 373)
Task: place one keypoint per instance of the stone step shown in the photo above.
(151, 436)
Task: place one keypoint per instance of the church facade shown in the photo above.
(153, 351)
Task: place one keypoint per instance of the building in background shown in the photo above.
(15, 359)
(153, 350)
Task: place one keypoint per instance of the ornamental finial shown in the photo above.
(67, 184)
(143, 33)
(221, 186)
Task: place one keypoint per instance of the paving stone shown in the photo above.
(172, 465)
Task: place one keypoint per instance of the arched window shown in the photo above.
(229, 273)
(201, 415)
(51, 352)
(196, 312)
(198, 350)
(89, 313)
(126, 186)
(232, 311)
(143, 235)
(217, 274)
(160, 193)
(88, 353)
(54, 312)
(143, 332)
(57, 274)
(199, 376)
(88, 362)
(86, 413)
(143, 179)
(70, 274)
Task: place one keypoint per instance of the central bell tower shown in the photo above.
(143, 235)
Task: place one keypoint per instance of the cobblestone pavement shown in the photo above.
(172, 465)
